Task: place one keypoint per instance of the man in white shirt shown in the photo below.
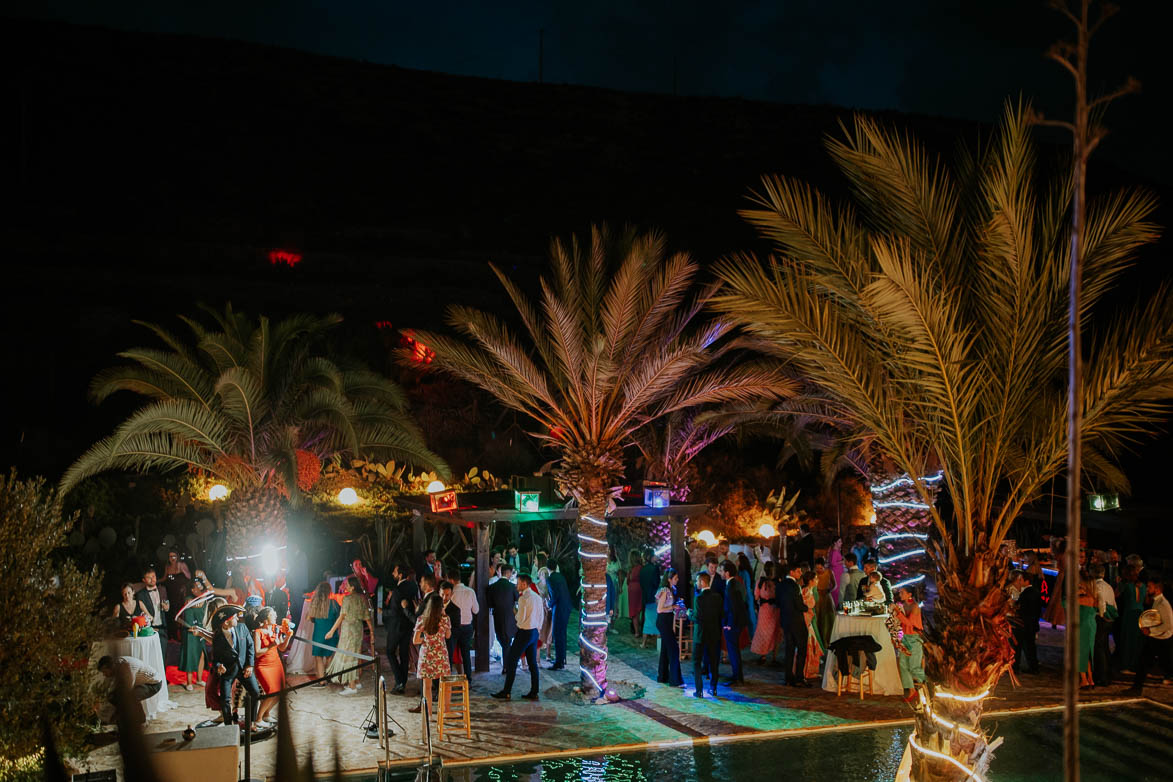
(1106, 614)
(1157, 638)
(531, 611)
(141, 681)
(466, 600)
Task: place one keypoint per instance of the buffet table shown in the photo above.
(887, 675)
(146, 649)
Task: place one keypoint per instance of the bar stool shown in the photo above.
(683, 637)
(450, 686)
(863, 672)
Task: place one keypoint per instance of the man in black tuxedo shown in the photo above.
(1029, 607)
(735, 618)
(233, 654)
(502, 597)
(804, 547)
(791, 616)
(559, 602)
(400, 621)
(427, 566)
(155, 601)
(706, 634)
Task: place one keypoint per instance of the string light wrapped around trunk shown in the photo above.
(902, 526)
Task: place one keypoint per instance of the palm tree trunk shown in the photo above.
(967, 650)
(902, 527)
(591, 528)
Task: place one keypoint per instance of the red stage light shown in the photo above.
(286, 257)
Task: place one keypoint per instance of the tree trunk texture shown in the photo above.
(592, 640)
(967, 650)
(894, 498)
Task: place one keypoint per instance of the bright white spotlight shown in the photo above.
(269, 562)
(348, 496)
(435, 486)
(217, 492)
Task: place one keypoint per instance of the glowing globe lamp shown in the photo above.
(435, 486)
(527, 501)
(217, 492)
(767, 530)
(656, 497)
(348, 496)
(707, 537)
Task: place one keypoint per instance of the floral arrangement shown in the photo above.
(139, 626)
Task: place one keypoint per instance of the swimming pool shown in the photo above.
(1132, 741)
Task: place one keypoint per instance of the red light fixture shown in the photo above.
(420, 353)
(284, 258)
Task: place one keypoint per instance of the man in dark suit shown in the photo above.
(735, 619)
(233, 654)
(155, 601)
(791, 616)
(869, 566)
(400, 621)
(1029, 607)
(427, 566)
(502, 597)
(804, 546)
(277, 598)
(559, 601)
(706, 634)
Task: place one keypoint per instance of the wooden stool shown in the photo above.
(864, 672)
(449, 686)
(683, 637)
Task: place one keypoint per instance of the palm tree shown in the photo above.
(610, 346)
(667, 449)
(243, 403)
(931, 314)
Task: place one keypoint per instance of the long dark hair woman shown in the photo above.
(432, 629)
(665, 623)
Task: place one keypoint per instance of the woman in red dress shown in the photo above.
(270, 640)
(635, 594)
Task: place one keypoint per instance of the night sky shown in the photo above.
(958, 58)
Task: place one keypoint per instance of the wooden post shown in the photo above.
(679, 556)
(482, 587)
(418, 539)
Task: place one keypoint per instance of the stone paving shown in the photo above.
(324, 722)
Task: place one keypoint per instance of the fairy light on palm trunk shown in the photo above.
(902, 521)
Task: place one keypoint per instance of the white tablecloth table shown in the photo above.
(299, 658)
(145, 649)
(887, 675)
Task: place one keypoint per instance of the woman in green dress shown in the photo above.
(1130, 601)
(355, 613)
(1087, 627)
(191, 645)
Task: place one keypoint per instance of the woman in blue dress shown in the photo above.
(323, 612)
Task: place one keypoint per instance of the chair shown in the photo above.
(683, 637)
(864, 673)
(450, 686)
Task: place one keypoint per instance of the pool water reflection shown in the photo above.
(1131, 741)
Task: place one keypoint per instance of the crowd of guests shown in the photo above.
(1113, 596)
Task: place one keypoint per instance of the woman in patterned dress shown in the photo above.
(432, 630)
(355, 613)
(768, 633)
(814, 644)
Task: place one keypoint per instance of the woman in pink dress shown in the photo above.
(768, 632)
(432, 629)
(837, 567)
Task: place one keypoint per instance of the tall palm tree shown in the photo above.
(611, 345)
(930, 311)
(239, 402)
